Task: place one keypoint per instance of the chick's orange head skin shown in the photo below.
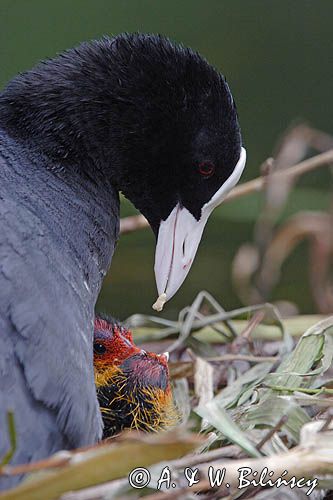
(112, 343)
(114, 347)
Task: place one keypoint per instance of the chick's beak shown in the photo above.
(180, 234)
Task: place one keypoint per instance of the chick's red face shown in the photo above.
(114, 347)
(112, 343)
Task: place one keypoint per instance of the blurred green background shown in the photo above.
(278, 58)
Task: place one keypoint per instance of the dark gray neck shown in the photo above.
(80, 215)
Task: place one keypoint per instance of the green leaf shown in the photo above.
(12, 439)
(214, 413)
(247, 382)
(269, 412)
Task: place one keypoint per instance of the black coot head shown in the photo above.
(155, 117)
(181, 146)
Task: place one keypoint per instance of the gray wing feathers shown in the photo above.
(46, 369)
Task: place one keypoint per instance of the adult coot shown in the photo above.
(137, 114)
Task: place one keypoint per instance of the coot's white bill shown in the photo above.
(180, 234)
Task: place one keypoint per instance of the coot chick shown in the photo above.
(133, 385)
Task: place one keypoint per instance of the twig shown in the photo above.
(244, 337)
(328, 421)
(191, 324)
(272, 431)
(230, 451)
(322, 390)
(294, 171)
(252, 324)
(243, 357)
(186, 326)
(59, 460)
(294, 325)
(129, 224)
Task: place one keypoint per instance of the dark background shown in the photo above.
(277, 56)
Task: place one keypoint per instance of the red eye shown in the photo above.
(206, 169)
